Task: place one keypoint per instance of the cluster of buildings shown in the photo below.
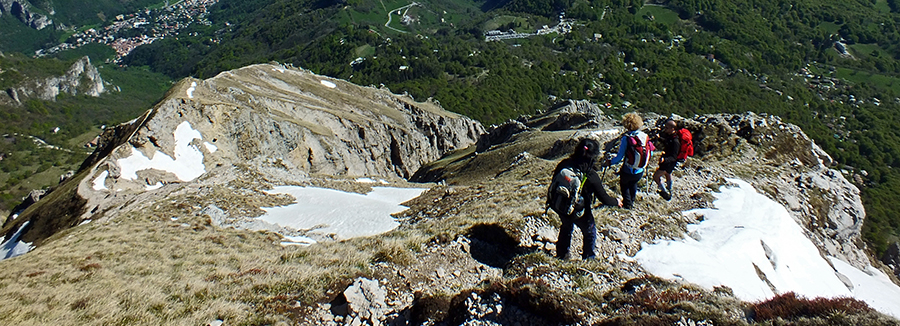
(564, 27)
(820, 82)
(151, 24)
(825, 84)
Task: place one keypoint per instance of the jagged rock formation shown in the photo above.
(269, 121)
(81, 78)
(23, 12)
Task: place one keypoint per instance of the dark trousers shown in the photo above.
(588, 232)
(628, 184)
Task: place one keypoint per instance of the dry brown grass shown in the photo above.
(150, 270)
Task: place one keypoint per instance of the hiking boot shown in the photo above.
(665, 194)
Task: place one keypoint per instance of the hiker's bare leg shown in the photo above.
(657, 177)
(668, 182)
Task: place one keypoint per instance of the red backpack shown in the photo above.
(637, 156)
(687, 144)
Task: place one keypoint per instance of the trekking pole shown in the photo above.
(603, 175)
(606, 158)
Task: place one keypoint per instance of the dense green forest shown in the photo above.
(832, 67)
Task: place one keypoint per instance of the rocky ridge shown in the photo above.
(776, 157)
(497, 188)
(475, 249)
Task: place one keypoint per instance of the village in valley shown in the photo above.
(127, 32)
(564, 27)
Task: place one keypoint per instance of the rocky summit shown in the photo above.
(266, 122)
(169, 221)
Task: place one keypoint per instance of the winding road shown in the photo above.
(398, 12)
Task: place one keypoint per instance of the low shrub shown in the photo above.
(790, 306)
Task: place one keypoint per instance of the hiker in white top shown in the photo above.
(635, 150)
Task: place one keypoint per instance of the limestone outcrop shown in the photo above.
(23, 12)
(82, 78)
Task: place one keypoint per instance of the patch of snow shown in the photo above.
(187, 164)
(190, 90)
(605, 132)
(210, 147)
(154, 187)
(346, 215)
(625, 258)
(281, 70)
(297, 241)
(328, 83)
(100, 181)
(871, 286)
(84, 222)
(747, 232)
(13, 247)
(370, 180)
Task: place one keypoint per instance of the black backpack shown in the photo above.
(564, 196)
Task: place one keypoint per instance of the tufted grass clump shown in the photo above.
(651, 300)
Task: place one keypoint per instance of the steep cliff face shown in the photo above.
(81, 78)
(23, 12)
(276, 123)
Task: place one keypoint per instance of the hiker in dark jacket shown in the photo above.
(671, 146)
(583, 158)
